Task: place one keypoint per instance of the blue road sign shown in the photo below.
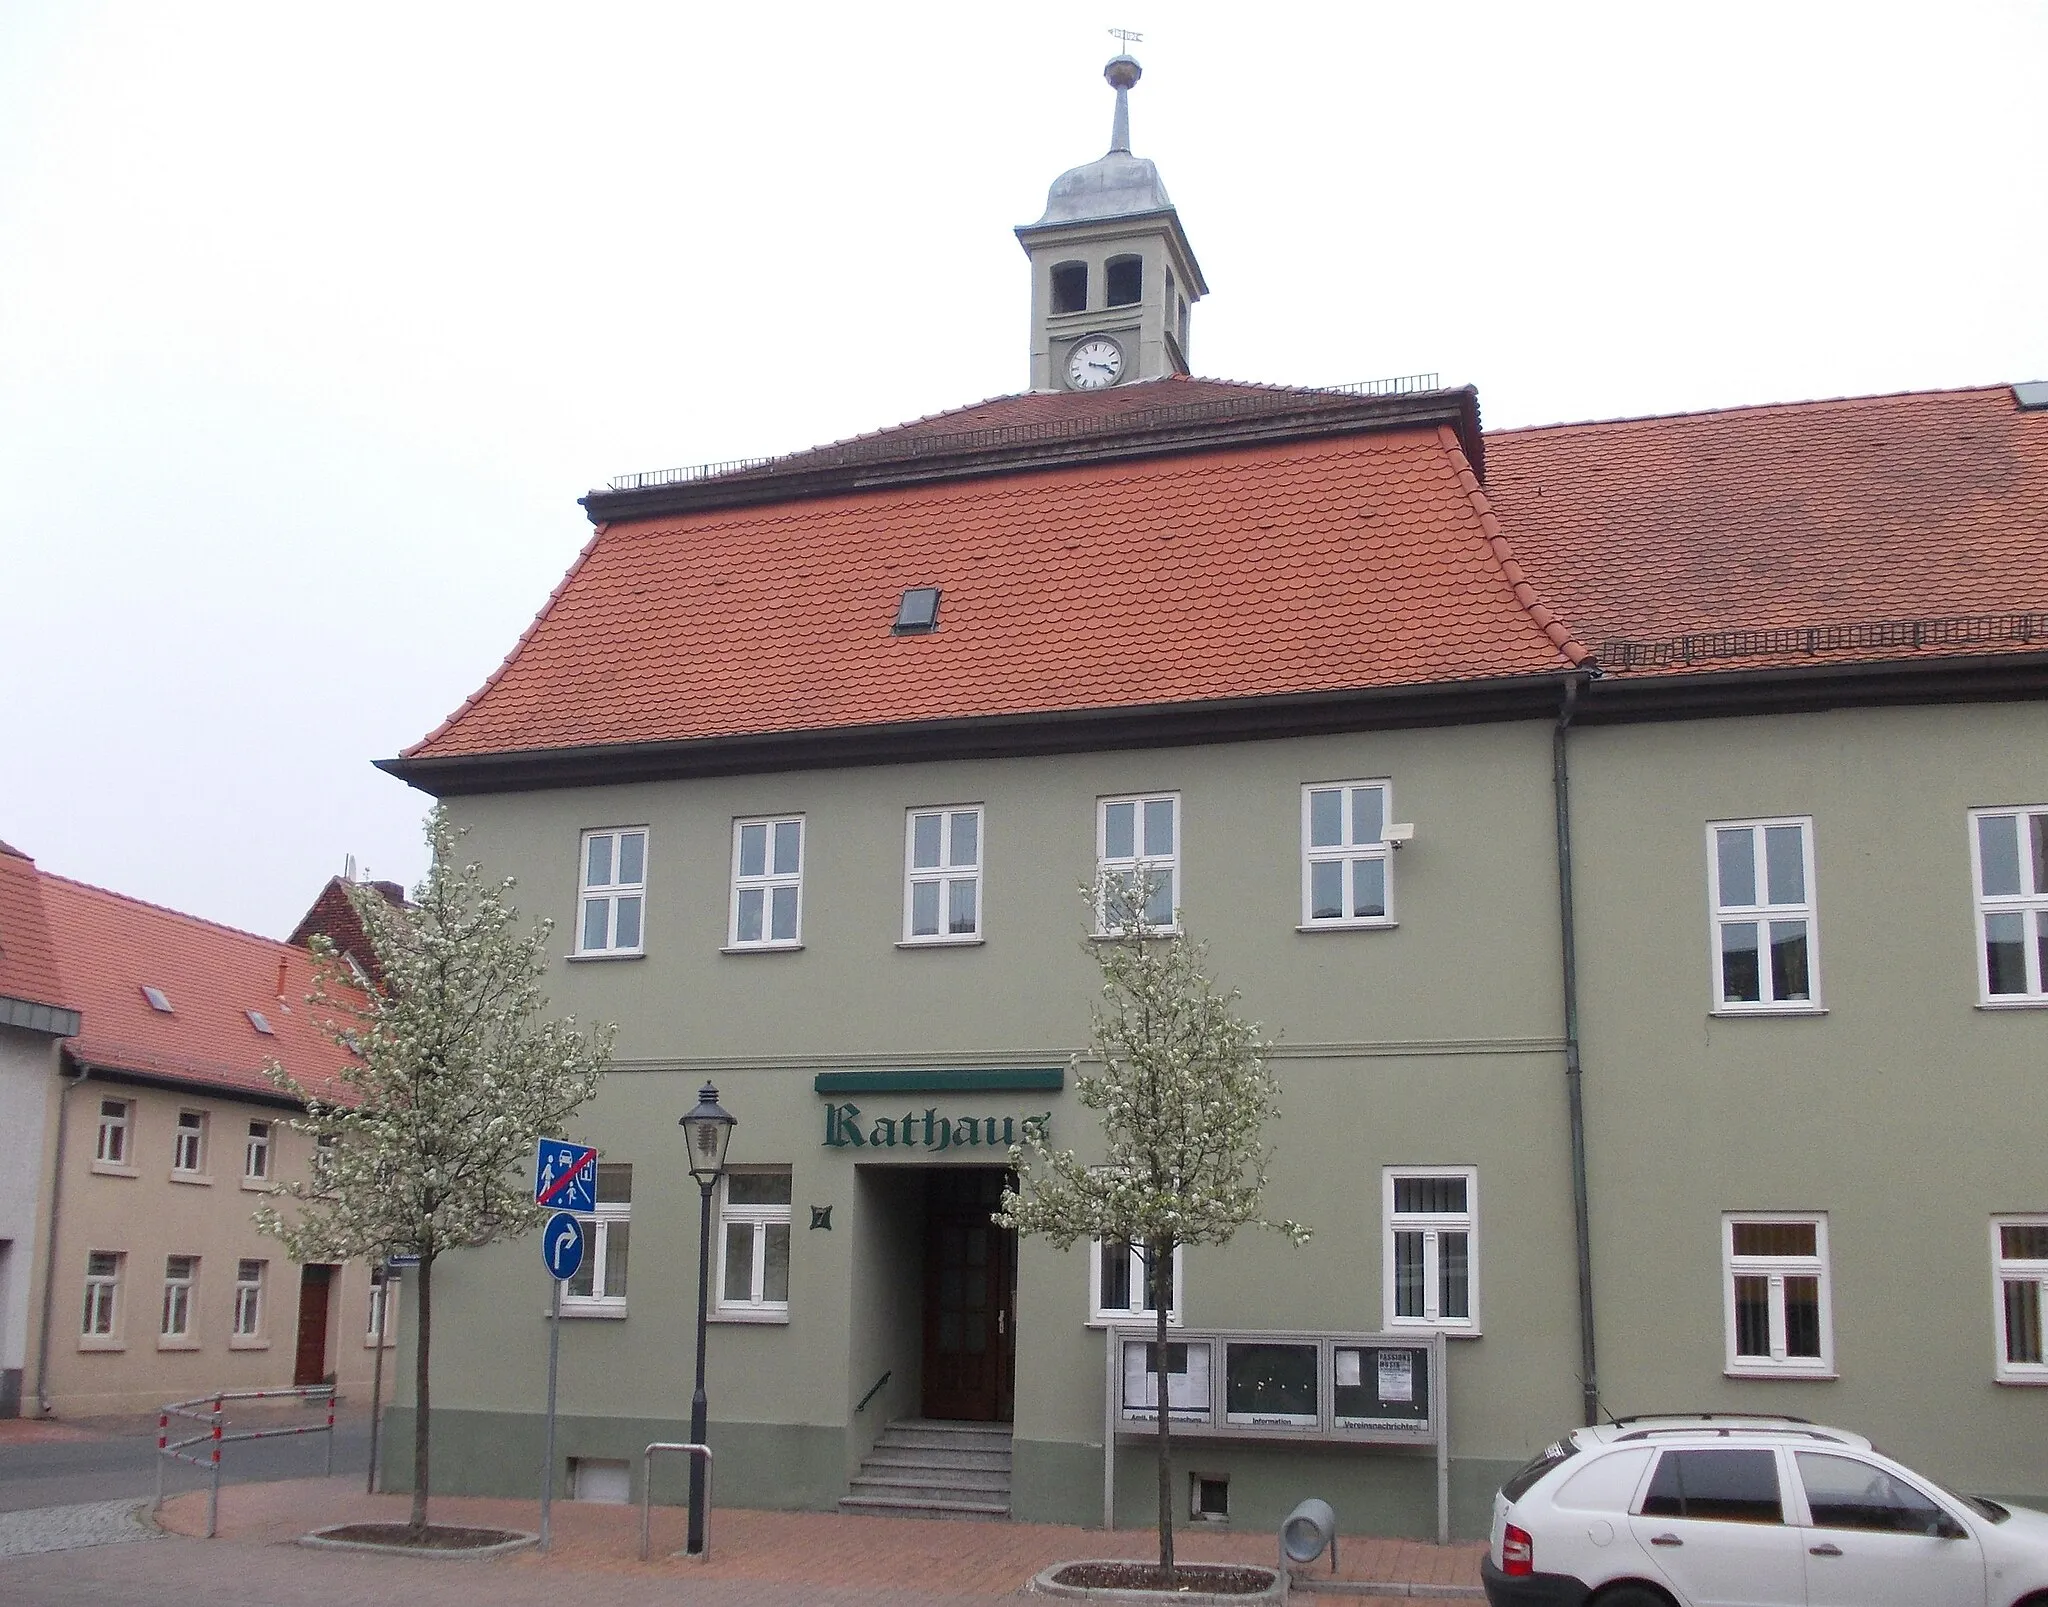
(565, 1175)
(562, 1246)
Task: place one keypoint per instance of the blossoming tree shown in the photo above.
(453, 1077)
(1184, 1096)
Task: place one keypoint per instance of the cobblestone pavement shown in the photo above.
(759, 1559)
(90, 1523)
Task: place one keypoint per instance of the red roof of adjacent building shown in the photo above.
(111, 948)
(28, 963)
(1923, 507)
(1360, 560)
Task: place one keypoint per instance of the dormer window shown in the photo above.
(1125, 277)
(918, 613)
(158, 999)
(1070, 287)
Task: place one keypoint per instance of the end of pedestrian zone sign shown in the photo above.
(565, 1175)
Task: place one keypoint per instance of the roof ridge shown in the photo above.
(165, 909)
(505, 664)
(1545, 618)
(1801, 405)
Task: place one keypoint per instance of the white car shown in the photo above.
(1740, 1511)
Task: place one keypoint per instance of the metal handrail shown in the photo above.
(215, 1418)
(871, 1394)
(647, 1492)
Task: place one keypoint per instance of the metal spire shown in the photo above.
(1122, 72)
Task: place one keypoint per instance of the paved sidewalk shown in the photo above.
(90, 1523)
(785, 1556)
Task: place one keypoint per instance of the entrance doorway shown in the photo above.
(309, 1365)
(970, 1298)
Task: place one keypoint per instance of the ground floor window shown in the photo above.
(181, 1272)
(2019, 1253)
(600, 1283)
(1120, 1289)
(102, 1293)
(1430, 1257)
(1779, 1312)
(248, 1299)
(753, 1244)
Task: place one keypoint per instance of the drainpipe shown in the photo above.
(71, 1081)
(1574, 1072)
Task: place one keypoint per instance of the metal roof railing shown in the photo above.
(1968, 630)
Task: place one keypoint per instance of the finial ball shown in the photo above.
(1122, 72)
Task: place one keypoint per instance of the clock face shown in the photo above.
(1094, 363)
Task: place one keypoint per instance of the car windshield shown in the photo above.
(1546, 1459)
(1982, 1505)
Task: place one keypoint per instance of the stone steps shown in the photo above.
(922, 1468)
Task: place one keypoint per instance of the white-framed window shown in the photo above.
(1430, 1250)
(767, 882)
(1118, 1288)
(188, 1142)
(1137, 846)
(1766, 943)
(1345, 867)
(249, 1299)
(2019, 1262)
(942, 874)
(1775, 1279)
(2009, 867)
(256, 1152)
(383, 1314)
(181, 1272)
(611, 917)
(753, 1243)
(600, 1283)
(102, 1294)
(116, 1115)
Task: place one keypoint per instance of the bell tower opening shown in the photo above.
(1112, 274)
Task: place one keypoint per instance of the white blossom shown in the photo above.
(453, 1075)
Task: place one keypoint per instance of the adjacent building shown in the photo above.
(143, 1135)
(1635, 832)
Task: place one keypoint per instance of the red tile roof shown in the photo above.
(111, 947)
(28, 963)
(1358, 561)
(1920, 507)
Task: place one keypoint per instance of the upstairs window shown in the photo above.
(1344, 860)
(614, 891)
(942, 892)
(767, 883)
(113, 1144)
(188, 1144)
(1138, 849)
(1070, 287)
(2009, 848)
(256, 1152)
(1124, 278)
(1765, 944)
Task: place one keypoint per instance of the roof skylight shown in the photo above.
(157, 999)
(261, 1023)
(918, 613)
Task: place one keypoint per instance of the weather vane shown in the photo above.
(1126, 38)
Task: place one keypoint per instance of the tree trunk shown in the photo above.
(423, 1321)
(1159, 1274)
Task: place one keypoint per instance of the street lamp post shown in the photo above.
(710, 1130)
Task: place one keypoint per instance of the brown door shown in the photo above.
(310, 1365)
(970, 1341)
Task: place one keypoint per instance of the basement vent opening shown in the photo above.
(157, 999)
(261, 1023)
(918, 613)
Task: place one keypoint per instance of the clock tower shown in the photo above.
(1112, 274)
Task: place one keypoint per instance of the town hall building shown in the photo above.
(1634, 834)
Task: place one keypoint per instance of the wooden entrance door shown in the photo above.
(309, 1366)
(970, 1304)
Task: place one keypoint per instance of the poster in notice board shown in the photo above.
(1382, 1386)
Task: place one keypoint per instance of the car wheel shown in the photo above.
(1637, 1596)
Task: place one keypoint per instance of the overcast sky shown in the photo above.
(315, 320)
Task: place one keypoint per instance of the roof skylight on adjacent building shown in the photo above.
(261, 1023)
(158, 999)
